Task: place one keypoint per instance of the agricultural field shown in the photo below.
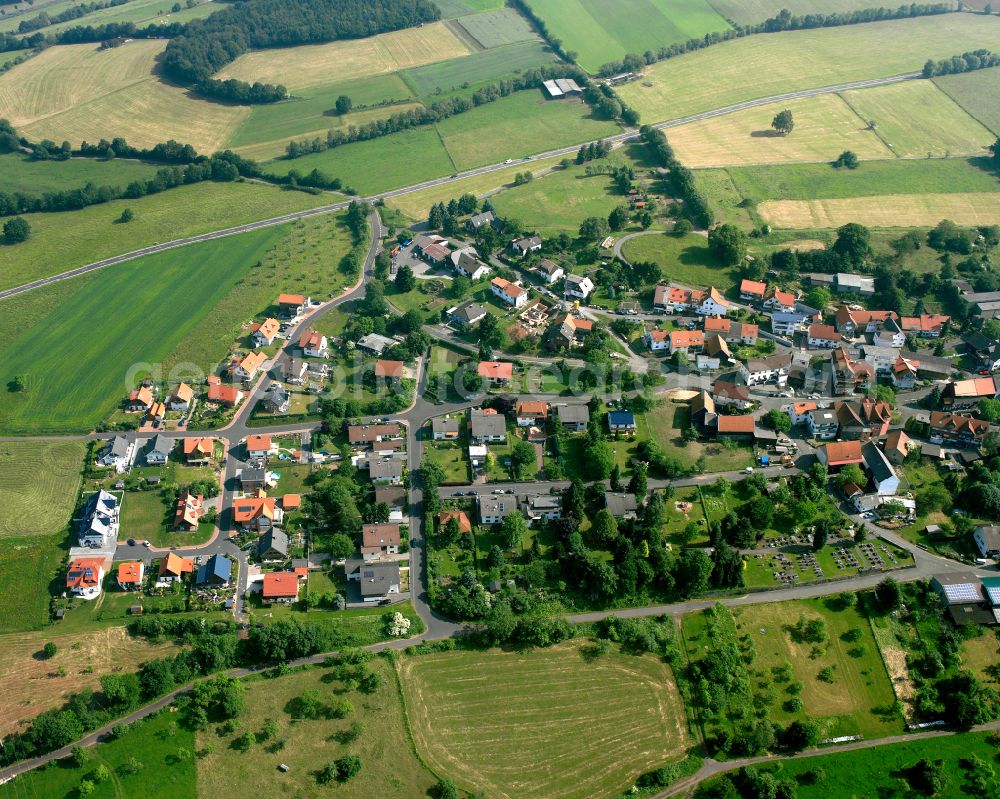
(31, 564)
(516, 126)
(309, 66)
(785, 62)
(21, 174)
(476, 69)
(39, 482)
(35, 684)
(141, 12)
(497, 28)
(916, 119)
(79, 92)
(684, 259)
(544, 722)
(825, 126)
(155, 743)
(459, 8)
(389, 766)
(148, 305)
(601, 32)
(978, 93)
(67, 239)
(898, 210)
(748, 12)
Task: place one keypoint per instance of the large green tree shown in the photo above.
(728, 243)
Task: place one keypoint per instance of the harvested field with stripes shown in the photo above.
(897, 210)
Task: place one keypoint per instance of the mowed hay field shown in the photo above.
(600, 32)
(39, 481)
(746, 12)
(542, 723)
(896, 210)
(389, 767)
(825, 126)
(785, 62)
(978, 93)
(22, 174)
(29, 565)
(315, 65)
(79, 92)
(32, 685)
(77, 370)
(61, 241)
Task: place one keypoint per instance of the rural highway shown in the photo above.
(617, 139)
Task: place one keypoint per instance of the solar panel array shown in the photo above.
(963, 592)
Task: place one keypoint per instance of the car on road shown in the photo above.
(509, 161)
(146, 543)
(748, 470)
(459, 494)
(131, 542)
(499, 491)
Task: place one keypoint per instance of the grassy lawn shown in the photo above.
(978, 93)
(450, 455)
(666, 424)
(293, 478)
(39, 482)
(147, 516)
(516, 126)
(389, 766)
(543, 722)
(784, 62)
(683, 259)
(600, 33)
(845, 706)
(147, 306)
(154, 742)
(36, 177)
(981, 655)
(478, 68)
(31, 564)
(61, 241)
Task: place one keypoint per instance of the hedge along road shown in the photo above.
(484, 170)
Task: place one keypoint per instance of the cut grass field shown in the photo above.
(497, 28)
(544, 722)
(37, 177)
(516, 126)
(478, 68)
(79, 92)
(146, 517)
(61, 241)
(141, 12)
(309, 66)
(918, 119)
(29, 565)
(39, 482)
(978, 93)
(825, 126)
(684, 259)
(33, 684)
(389, 766)
(600, 32)
(147, 306)
(785, 62)
(898, 210)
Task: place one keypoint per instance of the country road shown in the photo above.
(617, 139)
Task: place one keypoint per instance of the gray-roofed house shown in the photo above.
(494, 508)
(487, 427)
(542, 507)
(117, 454)
(467, 314)
(621, 505)
(375, 343)
(786, 324)
(477, 221)
(883, 476)
(273, 545)
(987, 540)
(159, 450)
(295, 371)
(573, 418)
(385, 470)
(252, 478)
(217, 571)
(277, 399)
(378, 580)
(98, 524)
(444, 428)
(526, 245)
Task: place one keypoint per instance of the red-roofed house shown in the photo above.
(926, 325)
(497, 372)
(225, 394)
(198, 450)
(256, 513)
(260, 447)
(851, 322)
(291, 502)
(712, 303)
(957, 429)
(130, 575)
(464, 525)
(190, 509)
(264, 333)
(510, 293)
(781, 301)
(280, 587)
(658, 340)
(314, 344)
(687, 341)
(391, 371)
(379, 539)
(246, 368)
(180, 398)
(897, 446)
(140, 399)
(840, 453)
(529, 413)
(291, 305)
(735, 426)
(84, 577)
(752, 290)
(823, 337)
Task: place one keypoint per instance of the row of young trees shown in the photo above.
(44, 19)
(784, 21)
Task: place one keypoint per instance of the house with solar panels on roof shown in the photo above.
(965, 598)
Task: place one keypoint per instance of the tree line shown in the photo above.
(112, 31)
(207, 45)
(681, 178)
(43, 20)
(784, 21)
(967, 62)
(429, 115)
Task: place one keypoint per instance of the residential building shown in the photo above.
(295, 371)
(731, 331)
(527, 245)
(257, 512)
(772, 369)
(280, 587)
(822, 337)
(713, 304)
(460, 516)
(850, 375)
(253, 479)
(987, 540)
(530, 413)
(897, 447)
(261, 447)
(780, 301)
(510, 293)
(478, 453)
(130, 575)
(215, 572)
(929, 367)
(985, 351)
(570, 331)
(264, 333)
(393, 496)
(379, 539)
(188, 511)
(173, 568)
(579, 288)
(690, 342)
(866, 419)
(672, 299)
(117, 454)
(799, 412)
(468, 265)
(968, 393)
(273, 545)
(574, 418)
(658, 340)
(292, 305)
(477, 221)
(621, 505)
(889, 335)
(378, 580)
(467, 314)
(621, 422)
(245, 368)
(715, 353)
(880, 470)
(822, 424)
(385, 470)
(840, 453)
(786, 324)
(855, 321)
(140, 400)
(549, 271)
(925, 326)
(728, 394)
(957, 429)
(375, 343)
(542, 507)
(703, 413)
(314, 344)
(390, 371)
(277, 399)
(373, 433)
(159, 450)
(444, 428)
(740, 426)
(809, 313)
(752, 290)
(849, 283)
(487, 426)
(84, 577)
(99, 519)
(493, 508)
(881, 358)
(904, 373)
(225, 394)
(496, 372)
(181, 397)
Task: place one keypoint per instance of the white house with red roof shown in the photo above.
(510, 293)
(84, 577)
